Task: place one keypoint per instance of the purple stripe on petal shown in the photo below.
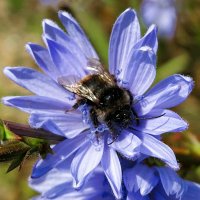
(42, 58)
(171, 182)
(78, 35)
(166, 94)
(155, 148)
(62, 151)
(125, 33)
(112, 168)
(37, 83)
(168, 121)
(85, 161)
(65, 122)
(36, 104)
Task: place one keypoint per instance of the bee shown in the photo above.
(109, 104)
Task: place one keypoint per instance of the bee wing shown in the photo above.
(73, 84)
(67, 81)
(95, 67)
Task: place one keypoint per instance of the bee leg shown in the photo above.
(114, 133)
(136, 116)
(114, 139)
(95, 122)
(93, 117)
(79, 103)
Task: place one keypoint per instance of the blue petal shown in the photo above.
(136, 196)
(70, 124)
(171, 182)
(169, 122)
(155, 148)
(140, 178)
(159, 194)
(37, 83)
(36, 104)
(42, 58)
(85, 161)
(53, 32)
(166, 94)
(127, 144)
(76, 32)
(50, 126)
(112, 168)
(139, 73)
(193, 191)
(125, 33)
(66, 62)
(62, 151)
(57, 184)
(59, 175)
(149, 40)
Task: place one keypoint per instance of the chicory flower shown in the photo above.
(57, 184)
(132, 61)
(143, 182)
(162, 13)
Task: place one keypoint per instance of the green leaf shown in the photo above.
(12, 149)
(17, 162)
(174, 66)
(5, 133)
(17, 149)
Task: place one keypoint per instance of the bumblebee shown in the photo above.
(109, 104)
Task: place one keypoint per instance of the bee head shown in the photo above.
(123, 116)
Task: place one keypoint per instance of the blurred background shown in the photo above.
(20, 22)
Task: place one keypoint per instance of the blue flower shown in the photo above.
(132, 61)
(50, 2)
(58, 184)
(158, 183)
(162, 13)
(140, 183)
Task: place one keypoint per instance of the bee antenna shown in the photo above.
(138, 118)
(114, 139)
